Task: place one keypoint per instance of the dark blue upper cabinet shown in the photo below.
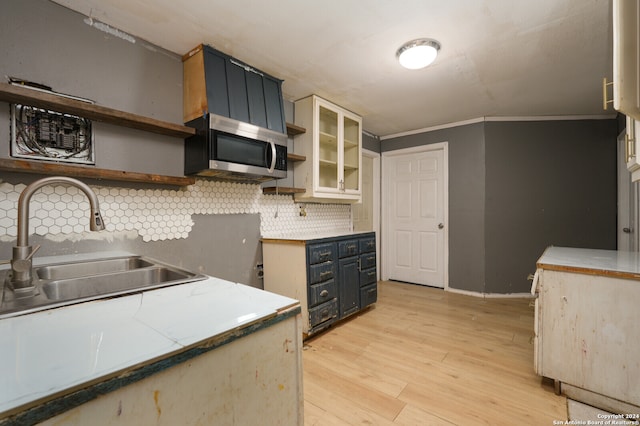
(216, 83)
(257, 106)
(274, 105)
(237, 92)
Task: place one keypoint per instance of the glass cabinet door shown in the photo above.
(351, 155)
(328, 148)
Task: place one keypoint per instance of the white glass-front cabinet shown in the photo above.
(626, 56)
(333, 148)
(626, 76)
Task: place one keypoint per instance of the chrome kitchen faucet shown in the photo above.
(21, 276)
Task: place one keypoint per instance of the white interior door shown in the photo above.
(415, 235)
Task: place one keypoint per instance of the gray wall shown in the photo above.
(547, 183)
(46, 43)
(49, 44)
(370, 142)
(466, 199)
(517, 187)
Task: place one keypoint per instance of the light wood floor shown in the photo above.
(423, 356)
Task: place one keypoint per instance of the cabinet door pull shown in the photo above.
(324, 293)
(605, 100)
(630, 140)
(325, 254)
(324, 314)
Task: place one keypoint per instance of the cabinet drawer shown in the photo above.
(324, 312)
(367, 261)
(368, 295)
(347, 248)
(321, 272)
(368, 276)
(367, 244)
(321, 253)
(322, 292)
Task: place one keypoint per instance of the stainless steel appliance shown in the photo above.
(230, 149)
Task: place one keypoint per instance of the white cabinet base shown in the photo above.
(587, 336)
(254, 380)
(596, 400)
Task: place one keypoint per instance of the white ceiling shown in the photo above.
(498, 57)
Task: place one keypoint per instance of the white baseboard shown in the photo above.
(526, 295)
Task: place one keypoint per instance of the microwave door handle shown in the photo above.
(273, 157)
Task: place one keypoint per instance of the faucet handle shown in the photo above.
(34, 249)
(24, 265)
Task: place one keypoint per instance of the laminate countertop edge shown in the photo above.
(301, 239)
(610, 263)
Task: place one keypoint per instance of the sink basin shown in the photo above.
(64, 284)
(76, 288)
(83, 269)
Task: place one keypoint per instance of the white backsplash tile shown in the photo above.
(159, 214)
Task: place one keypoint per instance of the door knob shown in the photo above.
(627, 230)
(440, 225)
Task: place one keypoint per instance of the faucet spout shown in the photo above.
(21, 275)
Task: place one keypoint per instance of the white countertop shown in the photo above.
(314, 236)
(49, 352)
(592, 261)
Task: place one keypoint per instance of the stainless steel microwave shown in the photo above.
(230, 149)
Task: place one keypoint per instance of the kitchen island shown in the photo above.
(587, 325)
(333, 276)
(205, 352)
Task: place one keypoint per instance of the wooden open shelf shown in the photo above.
(295, 157)
(26, 96)
(282, 190)
(293, 130)
(22, 95)
(47, 168)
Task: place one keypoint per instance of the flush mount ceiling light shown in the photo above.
(416, 54)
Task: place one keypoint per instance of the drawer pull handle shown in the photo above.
(325, 254)
(371, 258)
(351, 247)
(324, 293)
(324, 314)
(371, 273)
(326, 273)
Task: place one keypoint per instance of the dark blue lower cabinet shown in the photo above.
(348, 276)
(368, 295)
(323, 315)
(341, 278)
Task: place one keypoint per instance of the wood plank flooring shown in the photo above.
(423, 356)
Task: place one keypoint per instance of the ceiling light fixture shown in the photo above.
(416, 54)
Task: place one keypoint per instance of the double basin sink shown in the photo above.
(68, 283)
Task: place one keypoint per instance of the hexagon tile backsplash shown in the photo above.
(161, 214)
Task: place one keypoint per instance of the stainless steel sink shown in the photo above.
(83, 269)
(77, 288)
(63, 284)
